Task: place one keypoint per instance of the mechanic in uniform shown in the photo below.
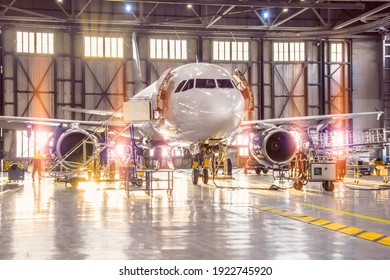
(37, 162)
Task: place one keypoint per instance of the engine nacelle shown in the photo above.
(76, 148)
(273, 146)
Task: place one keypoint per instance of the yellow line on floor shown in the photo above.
(352, 231)
(348, 213)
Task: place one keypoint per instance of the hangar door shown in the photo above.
(104, 84)
(28, 76)
(337, 75)
(305, 78)
(285, 79)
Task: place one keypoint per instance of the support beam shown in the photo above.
(288, 18)
(361, 17)
(219, 17)
(258, 4)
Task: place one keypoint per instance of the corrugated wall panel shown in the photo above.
(290, 92)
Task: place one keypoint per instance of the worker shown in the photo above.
(37, 162)
(103, 150)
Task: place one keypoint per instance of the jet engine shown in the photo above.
(76, 148)
(273, 146)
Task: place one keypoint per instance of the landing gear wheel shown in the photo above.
(195, 176)
(205, 175)
(298, 185)
(328, 185)
(257, 170)
(229, 167)
(265, 170)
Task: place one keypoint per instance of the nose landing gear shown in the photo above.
(200, 171)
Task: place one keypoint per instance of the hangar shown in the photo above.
(303, 173)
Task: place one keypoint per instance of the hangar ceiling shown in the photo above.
(284, 18)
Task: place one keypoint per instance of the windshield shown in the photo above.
(225, 83)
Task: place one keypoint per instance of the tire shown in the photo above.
(195, 176)
(265, 170)
(257, 170)
(205, 176)
(229, 167)
(298, 185)
(328, 185)
(138, 182)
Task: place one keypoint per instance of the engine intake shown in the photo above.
(76, 148)
(274, 146)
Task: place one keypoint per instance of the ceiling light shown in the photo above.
(189, 6)
(128, 8)
(266, 14)
(285, 10)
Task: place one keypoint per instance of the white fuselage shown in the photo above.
(200, 103)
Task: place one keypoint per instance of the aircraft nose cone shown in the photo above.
(207, 114)
(222, 113)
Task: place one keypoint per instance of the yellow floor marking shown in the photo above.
(370, 235)
(385, 241)
(306, 219)
(320, 222)
(348, 213)
(335, 226)
(367, 235)
(288, 213)
(275, 210)
(264, 207)
(351, 230)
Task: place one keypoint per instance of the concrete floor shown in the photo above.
(238, 218)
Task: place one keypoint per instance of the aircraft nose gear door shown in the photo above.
(245, 88)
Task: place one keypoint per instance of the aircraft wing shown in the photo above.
(107, 113)
(320, 121)
(50, 124)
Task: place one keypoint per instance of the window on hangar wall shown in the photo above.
(231, 50)
(106, 47)
(34, 42)
(167, 49)
(288, 51)
(336, 52)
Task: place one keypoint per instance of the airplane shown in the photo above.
(197, 106)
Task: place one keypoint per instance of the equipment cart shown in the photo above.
(372, 170)
(161, 179)
(16, 172)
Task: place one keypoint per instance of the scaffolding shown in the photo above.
(348, 139)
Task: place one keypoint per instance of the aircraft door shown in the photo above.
(246, 90)
(161, 96)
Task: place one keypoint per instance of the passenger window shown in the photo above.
(189, 85)
(205, 83)
(180, 86)
(225, 83)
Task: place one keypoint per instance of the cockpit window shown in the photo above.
(205, 83)
(189, 85)
(225, 83)
(180, 86)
